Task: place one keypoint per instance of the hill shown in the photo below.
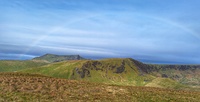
(58, 58)
(35, 88)
(120, 72)
(16, 65)
(184, 74)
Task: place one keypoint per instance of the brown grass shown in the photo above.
(35, 88)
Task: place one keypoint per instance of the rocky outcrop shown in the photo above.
(88, 66)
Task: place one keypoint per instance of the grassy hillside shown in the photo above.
(185, 74)
(58, 58)
(115, 71)
(109, 71)
(14, 65)
(58, 70)
(36, 88)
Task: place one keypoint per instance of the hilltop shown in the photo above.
(58, 58)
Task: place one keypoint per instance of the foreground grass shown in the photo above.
(35, 88)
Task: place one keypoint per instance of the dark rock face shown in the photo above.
(145, 68)
(121, 68)
(164, 76)
(84, 71)
(175, 77)
(92, 65)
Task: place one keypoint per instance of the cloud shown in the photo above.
(152, 31)
(23, 50)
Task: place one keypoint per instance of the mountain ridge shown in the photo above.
(121, 71)
(57, 58)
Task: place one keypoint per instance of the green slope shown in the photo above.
(59, 69)
(14, 65)
(109, 71)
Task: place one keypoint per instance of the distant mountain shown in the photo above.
(58, 58)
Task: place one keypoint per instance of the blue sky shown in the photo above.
(152, 31)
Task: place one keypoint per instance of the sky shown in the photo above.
(151, 31)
